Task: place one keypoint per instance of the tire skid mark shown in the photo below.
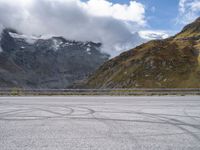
(71, 110)
(113, 127)
(191, 116)
(176, 123)
(133, 112)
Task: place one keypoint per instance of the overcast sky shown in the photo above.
(115, 23)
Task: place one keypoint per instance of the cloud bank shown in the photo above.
(114, 25)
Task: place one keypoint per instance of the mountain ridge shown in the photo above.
(170, 63)
(35, 62)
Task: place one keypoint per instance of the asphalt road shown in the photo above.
(100, 123)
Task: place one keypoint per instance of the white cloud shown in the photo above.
(133, 12)
(188, 11)
(153, 34)
(94, 20)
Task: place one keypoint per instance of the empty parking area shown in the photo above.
(100, 123)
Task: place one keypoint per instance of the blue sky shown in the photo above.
(163, 14)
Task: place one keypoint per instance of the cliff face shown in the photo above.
(38, 62)
(168, 63)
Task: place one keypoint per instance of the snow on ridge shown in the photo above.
(88, 49)
(46, 37)
(89, 45)
(56, 44)
(31, 39)
(28, 39)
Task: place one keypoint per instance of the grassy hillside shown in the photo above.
(169, 63)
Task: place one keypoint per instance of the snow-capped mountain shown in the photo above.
(45, 61)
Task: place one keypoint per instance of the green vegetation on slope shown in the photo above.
(169, 63)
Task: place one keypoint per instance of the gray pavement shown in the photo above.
(100, 123)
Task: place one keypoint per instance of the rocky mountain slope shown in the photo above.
(45, 62)
(168, 63)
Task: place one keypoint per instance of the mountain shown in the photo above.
(170, 63)
(45, 62)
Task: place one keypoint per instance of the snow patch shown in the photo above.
(66, 44)
(88, 49)
(89, 45)
(56, 44)
(69, 44)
